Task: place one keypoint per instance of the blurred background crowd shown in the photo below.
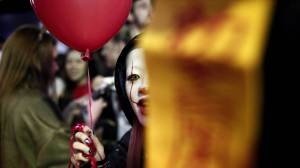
(70, 89)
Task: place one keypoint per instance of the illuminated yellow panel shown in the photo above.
(204, 59)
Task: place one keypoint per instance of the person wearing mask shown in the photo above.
(131, 84)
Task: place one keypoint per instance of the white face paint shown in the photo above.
(75, 67)
(137, 83)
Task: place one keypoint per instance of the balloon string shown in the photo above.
(90, 100)
(86, 57)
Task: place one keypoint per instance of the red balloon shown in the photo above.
(82, 24)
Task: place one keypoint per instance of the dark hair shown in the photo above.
(70, 85)
(26, 58)
(120, 80)
(135, 149)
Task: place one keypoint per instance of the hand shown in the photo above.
(80, 146)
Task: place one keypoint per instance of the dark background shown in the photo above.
(14, 6)
(14, 13)
(278, 145)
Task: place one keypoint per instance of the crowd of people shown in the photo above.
(43, 93)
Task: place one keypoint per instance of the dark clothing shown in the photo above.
(98, 66)
(108, 122)
(117, 158)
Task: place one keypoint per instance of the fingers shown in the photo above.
(86, 137)
(82, 137)
(100, 155)
(87, 130)
(74, 162)
(78, 157)
(81, 147)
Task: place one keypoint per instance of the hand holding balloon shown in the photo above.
(85, 146)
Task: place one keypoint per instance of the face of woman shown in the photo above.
(137, 83)
(142, 11)
(75, 67)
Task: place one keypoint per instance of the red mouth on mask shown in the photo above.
(142, 104)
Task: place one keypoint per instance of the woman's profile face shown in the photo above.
(137, 83)
(75, 67)
(142, 12)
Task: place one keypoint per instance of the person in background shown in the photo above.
(75, 76)
(104, 59)
(139, 17)
(74, 100)
(32, 133)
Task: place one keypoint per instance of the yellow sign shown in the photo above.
(204, 59)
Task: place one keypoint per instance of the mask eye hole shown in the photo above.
(133, 77)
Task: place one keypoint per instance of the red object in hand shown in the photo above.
(79, 128)
(89, 142)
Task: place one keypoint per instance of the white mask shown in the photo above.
(137, 83)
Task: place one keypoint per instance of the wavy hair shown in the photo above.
(27, 56)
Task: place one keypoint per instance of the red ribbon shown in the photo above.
(91, 156)
(79, 127)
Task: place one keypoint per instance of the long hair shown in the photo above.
(135, 149)
(69, 84)
(26, 60)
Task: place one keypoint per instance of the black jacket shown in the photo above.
(117, 158)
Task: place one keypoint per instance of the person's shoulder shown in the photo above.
(125, 139)
(27, 96)
(30, 100)
(32, 105)
(19, 101)
(118, 156)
